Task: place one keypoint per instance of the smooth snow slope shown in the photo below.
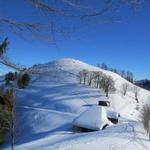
(47, 107)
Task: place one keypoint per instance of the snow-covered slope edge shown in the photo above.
(67, 69)
(54, 98)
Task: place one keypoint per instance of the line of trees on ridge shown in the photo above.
(128, 75)
(97, 79)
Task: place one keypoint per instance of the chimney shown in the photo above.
(104, 103)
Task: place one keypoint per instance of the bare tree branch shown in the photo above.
(103, 11)
(11, 65)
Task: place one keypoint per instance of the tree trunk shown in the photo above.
(137, 100)
(12, 135)
(84, 80)
(12, 139)
(1, 136)
(106, 93)
(124, 93)
(90, 82)
(80, 81)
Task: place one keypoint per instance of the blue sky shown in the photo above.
(123, 45)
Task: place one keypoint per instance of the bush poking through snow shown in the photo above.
(146, 118)
(23, 80)
(9, 77)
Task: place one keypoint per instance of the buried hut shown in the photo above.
(95, 118)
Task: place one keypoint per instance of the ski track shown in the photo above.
(48, 110)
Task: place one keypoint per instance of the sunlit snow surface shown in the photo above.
(46, 109)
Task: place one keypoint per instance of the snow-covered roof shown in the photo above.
(94, 118)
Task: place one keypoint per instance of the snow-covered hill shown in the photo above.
(54, 98)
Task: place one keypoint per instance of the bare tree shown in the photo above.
(103, 66)
(130, 76)
(83, 76)
(123, 73)
(98, 79)
(85, 73)
(52, 11)
(90, 76)
(145, 115)
(124, 88)
(96, 74)
(107, 83)
(53, 14)
(136, 91)
(80, 77)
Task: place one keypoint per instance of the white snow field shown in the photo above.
(54, 98)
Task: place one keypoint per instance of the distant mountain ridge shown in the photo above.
(144, 84)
